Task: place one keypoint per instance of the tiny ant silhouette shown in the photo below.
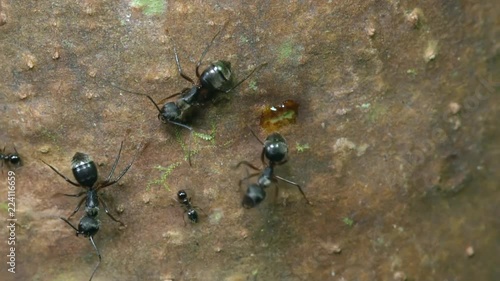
(216, 78)
(11, 158)
(275, 150)
(183, 199)
(85, 172)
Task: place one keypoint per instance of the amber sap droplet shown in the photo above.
(275, 117)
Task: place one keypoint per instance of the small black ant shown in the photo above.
(85, 172)
(275, 150)
(183, 199)
(11, 158)
(216, 78)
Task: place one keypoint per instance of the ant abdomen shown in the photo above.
(217, 77)
(84, 169)
(275, 148)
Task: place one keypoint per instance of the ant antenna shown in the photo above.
(255, 135)
(98, 254)
(248, 76)
(136, 93)
(208, 47)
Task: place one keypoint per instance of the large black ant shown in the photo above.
(10, 158)
(85, 172)
(216, 78)
(275, 150)
(183, 199)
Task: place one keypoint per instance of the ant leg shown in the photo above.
(108, 213)
(77, 208)
(181, 125)
(189, 141)
(276, 192)
(75, 195)
(162, 101)
(255, 135)
(65, 220)
(198, 208)
(185, 211)
(184, 217)
(248, 164)
(297, 185)
(179, 68)
(62, 176)
(114, 164)
(189, 148)
(262, 156)
(98, 254)
(248, 76)
(248, 175)
(206, 50)
(106, 184)
(72, 195)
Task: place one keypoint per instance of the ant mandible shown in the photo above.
(85, 172)
(216, 78)
(11, 158)
(275, 150)
(183, 199)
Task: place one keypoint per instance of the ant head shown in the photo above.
(84, 169)
(192, 215)
(275, 148)
(217, 77)
(182, 195)
(254, 195)
(88, 226)
(169, 112)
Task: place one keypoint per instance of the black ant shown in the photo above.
(11, 158)
(85, 172)
(216, 78)
(183, 199)
(275, 150)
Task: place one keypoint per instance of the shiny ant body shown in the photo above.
(11, 158)
(216, 78)
(275, 150)
(86, 175)
(183, 199)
